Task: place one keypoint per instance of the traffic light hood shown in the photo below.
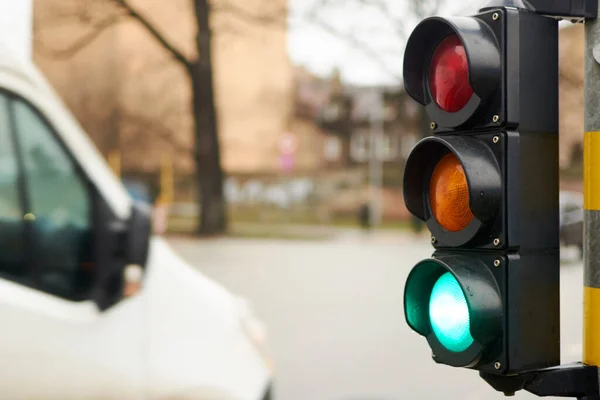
(483, 58)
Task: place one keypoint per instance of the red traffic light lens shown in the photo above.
(449, 75)
(449, 194)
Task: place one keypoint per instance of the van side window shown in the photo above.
(60, 207)
(12, 227)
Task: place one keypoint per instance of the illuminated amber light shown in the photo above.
(449, 194)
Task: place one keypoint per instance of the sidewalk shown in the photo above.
(328, 232)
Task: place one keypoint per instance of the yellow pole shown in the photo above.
(591, 289)
(114, 161)
(591, 191)
(167, 180)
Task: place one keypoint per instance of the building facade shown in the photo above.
(130, 94)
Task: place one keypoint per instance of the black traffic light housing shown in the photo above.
(505, 137)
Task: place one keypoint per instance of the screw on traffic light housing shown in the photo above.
(486, 184)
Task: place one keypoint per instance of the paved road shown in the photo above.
(334, 312)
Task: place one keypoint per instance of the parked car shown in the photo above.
(571, 220)
(68, 231)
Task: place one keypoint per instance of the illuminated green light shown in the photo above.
(449, 314)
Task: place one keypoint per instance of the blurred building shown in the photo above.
(343, 112)
(401, 128)
(344, 115)
(131, 95)
(312, 95)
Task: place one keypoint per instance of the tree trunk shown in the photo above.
(209, 173)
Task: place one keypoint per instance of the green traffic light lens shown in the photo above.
(449, 314)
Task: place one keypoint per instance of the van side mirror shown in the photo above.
(119, 244)
(139, 232)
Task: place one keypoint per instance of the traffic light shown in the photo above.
(486, 184)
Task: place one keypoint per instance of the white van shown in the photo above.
(68, 229)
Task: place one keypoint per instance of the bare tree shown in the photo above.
(198, 69)
(393, 19)
(199, 72)
(207, 156)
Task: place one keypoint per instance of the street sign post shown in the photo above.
(486, 185)
(288, 146)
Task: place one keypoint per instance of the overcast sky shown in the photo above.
(366, 45)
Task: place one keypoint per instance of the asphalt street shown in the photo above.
(335, 319)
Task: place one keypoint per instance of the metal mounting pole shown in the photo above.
(591, 174)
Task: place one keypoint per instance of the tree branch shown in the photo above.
(384, 9)
(418, 9)
(152, 127)
(277, 18)
(160, 38)
(96, 29)
(357, 44)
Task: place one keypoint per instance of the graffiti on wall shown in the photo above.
(281, 194)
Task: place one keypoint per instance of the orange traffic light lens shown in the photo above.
(449, 194)
(449, 75)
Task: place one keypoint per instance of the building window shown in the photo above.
(332, 112)
(412, 108)
(359, 146)
(388, 147)
(333, 149)
(390, 113)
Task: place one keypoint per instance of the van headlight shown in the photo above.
(256, 332)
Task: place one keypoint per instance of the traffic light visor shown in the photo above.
(452, 66)
(454, 302)
(449, 75)
(454, 185)
(449, 194)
